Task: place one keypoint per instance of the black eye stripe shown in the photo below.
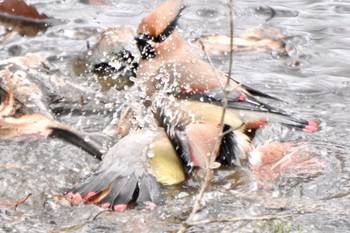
(143, 40)
(169, 29)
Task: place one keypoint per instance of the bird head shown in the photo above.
(157, 26)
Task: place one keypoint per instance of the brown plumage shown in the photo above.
(193, 128)
(169, 65)
(133, 167)
(185, 96)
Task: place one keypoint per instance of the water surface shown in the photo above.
(318, 88)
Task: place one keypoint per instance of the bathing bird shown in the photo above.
(168, 64)
(184, 96)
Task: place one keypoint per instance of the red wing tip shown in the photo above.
(241, 98)
(311, 127)
(119, 208)
(255, 124)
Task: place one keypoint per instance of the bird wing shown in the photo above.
(249, 108)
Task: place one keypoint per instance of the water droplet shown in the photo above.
(150, 153)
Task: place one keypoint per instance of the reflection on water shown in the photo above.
(318, 88)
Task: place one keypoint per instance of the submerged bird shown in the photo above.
(113, 58)
(254, 40)
(195, 94)
(133, 167)
(184, 95)
(188, 132)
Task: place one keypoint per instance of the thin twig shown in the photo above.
(209, 171)
(283, 159)
(22, 201)
(226, 90)
(236, 219)
(204, 186)
(226, 87)
(197, 202)
(210, 62)
(99, 213)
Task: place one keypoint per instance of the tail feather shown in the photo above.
(182, 150)
(96, 183)
(256, 92)
(76, 140)
(149, 190)
(249, 108)
(121, 191)
(125, 174)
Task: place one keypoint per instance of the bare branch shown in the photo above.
(197, 202)
(236, 219)
(209, 170)
(210, 62)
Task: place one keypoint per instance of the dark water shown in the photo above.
(318, 88)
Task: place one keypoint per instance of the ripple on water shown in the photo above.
(210, 12)
(124, 9)
(342, 9)
(319, 87)
(275, 11)
(316, 87)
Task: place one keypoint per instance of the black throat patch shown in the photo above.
(143, 43)
(170, 28)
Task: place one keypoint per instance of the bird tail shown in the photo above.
(115, 191)
(131, 172)
(76, 140)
